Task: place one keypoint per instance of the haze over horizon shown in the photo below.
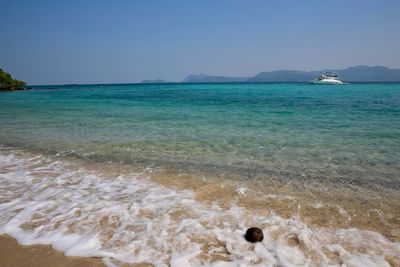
(60, 42)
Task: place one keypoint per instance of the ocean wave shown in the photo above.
(126, 217)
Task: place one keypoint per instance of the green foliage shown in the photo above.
(8, 83)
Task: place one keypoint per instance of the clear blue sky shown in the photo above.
(95, 41)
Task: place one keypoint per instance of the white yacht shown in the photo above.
(327, 78)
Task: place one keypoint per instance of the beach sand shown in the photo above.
(16, 255)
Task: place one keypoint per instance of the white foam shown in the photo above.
(127, 218)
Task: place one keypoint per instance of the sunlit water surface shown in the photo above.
(174, 173)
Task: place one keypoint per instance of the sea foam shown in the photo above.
(128, 218)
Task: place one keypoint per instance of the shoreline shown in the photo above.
(139, 214)
(14, 254)
(318, 204)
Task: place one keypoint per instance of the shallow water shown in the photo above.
(347, 134)
(125, 217)
(177, 172)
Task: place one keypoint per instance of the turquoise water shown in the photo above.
(174, 174)
(349, 134)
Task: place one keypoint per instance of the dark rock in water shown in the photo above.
(254, 234)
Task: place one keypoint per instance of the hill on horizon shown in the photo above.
(155, 81)
(352, 74)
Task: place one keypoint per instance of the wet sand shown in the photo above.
(16, 255)
(318, 205)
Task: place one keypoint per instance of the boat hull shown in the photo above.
(326, 81)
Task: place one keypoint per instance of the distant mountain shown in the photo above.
(155, 81)
(352, 74)
(202, 78)
(369, 74)
(282, 76)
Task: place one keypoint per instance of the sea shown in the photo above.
(174, 174)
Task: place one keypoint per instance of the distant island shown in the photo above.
(203, 78)
(352, 74)
(155, 81)
(8, 83)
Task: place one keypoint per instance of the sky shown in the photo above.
(98, 41)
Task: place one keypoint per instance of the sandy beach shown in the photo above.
(16, 255)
